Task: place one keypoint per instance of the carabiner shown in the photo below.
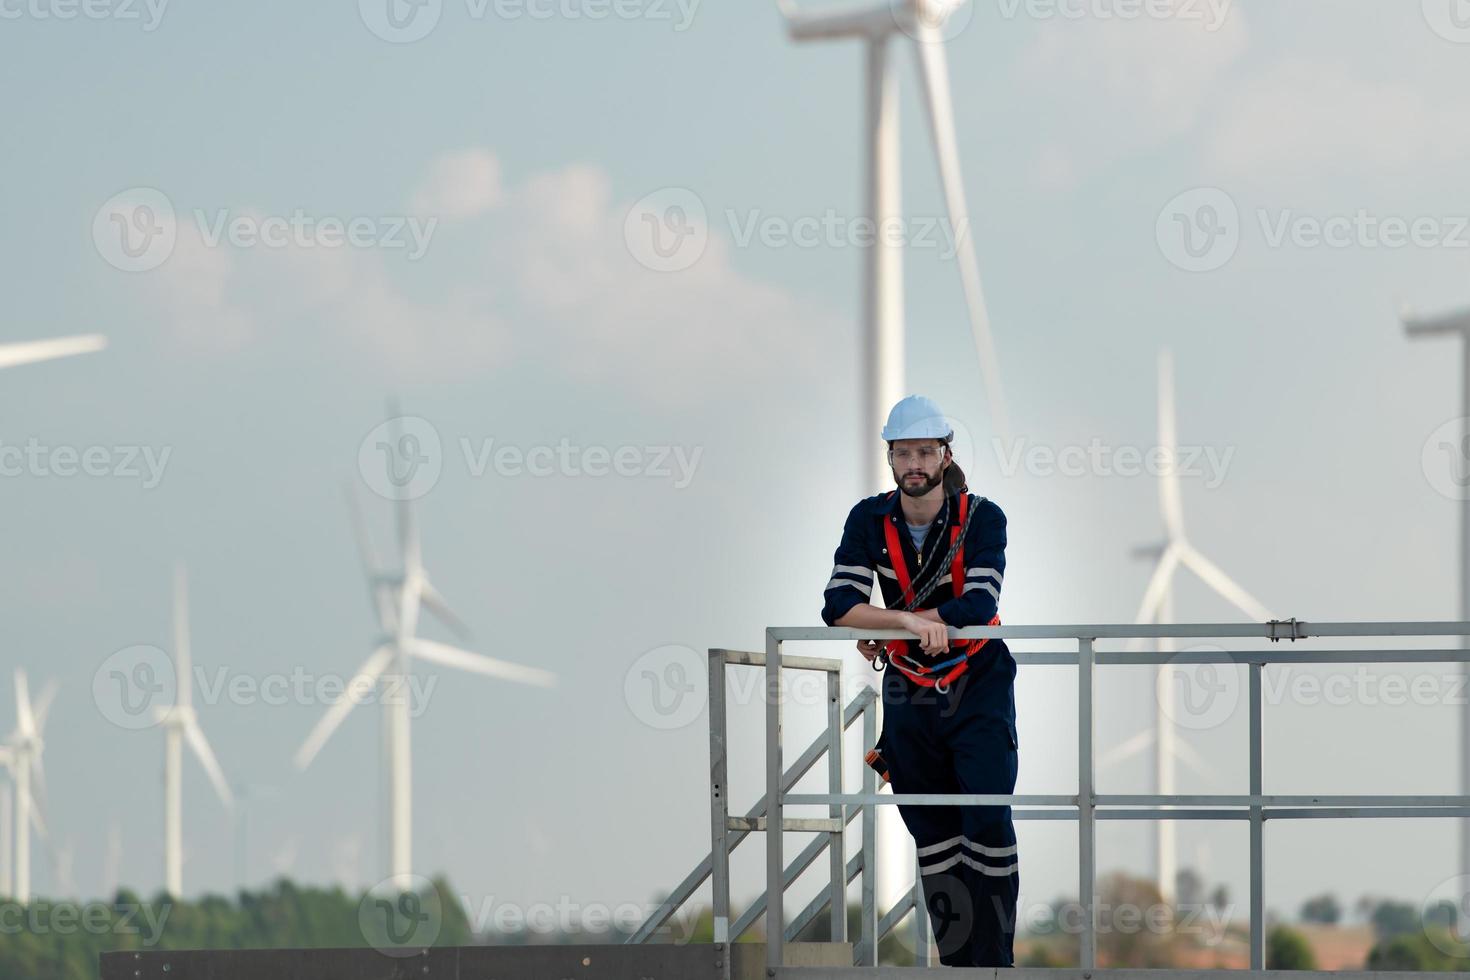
(879, 663)
(941, 687)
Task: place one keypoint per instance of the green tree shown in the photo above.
(1288, 949)
(1323, 910)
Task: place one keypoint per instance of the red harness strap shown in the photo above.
(897, 651)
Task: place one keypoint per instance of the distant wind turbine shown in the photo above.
(397, 599)
(23, 758)
(1158, 607)
(1456, 324)
(883, 316)
(35, 351)
(181, 724)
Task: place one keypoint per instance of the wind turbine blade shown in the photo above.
(1158, 585)
(1225, 585)
(934, 69)
(1170, 502)
(42, 707)
(437, 605)
(38, 821)
(182, 668)
(448, 656)
(25, 721)
(31, 352)
(366, 675)
(360, 534)
(1126, 749)
(195, 737)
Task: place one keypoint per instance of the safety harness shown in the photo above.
(897, 652)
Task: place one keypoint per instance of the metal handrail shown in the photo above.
(1087, 806)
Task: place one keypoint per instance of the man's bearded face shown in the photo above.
(918, 465)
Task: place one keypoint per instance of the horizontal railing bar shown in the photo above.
(745, 658)
(1145, 658)
(1103, 631)
(1157, 803)
(793, 825)
(927, 799)
(1366, 812)
(1245, 799)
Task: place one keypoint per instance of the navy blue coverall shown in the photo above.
(962, 741)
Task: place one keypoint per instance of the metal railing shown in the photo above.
(1086, 806)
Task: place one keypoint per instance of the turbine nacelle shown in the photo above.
(868, 22)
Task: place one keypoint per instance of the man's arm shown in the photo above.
(925, 624)
(985, 565)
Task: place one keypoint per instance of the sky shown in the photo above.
(496, 175)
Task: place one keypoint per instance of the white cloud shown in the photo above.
(1303, 117)
(547, 279)
(460, 185)
(1111, 87)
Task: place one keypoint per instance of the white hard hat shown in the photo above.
(917, 417)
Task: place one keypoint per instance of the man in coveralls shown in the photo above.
(949, 722)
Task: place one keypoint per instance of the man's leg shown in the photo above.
(985, 761)
(919, 763)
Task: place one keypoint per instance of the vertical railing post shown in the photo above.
(775, 920)
(1257, 824)
(1086, 803)
(837, 842)
(867, 951)
(719, 806)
